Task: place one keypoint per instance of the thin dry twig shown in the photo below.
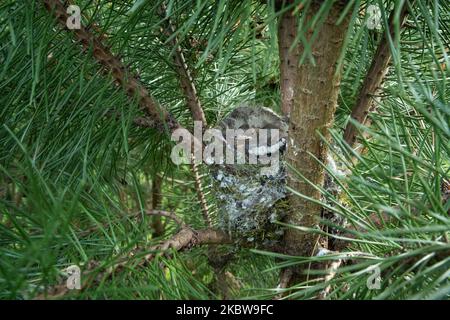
(335, 265)
(156, 224)
(200, 194)
(332, 271)
(166, 214)
(186, 81)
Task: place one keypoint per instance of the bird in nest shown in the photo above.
(251, 191)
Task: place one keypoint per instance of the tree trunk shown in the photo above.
(287, 29)
(315, 100)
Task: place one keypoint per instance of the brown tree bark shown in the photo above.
(314, 104)
(287, 29)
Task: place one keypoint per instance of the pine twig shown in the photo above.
(186, 81)
(167, 214)
(200, 194)
(334, 266)
(190, 93)
(332, 271)
(156, 224)
(345, 256)
(374, 78)
(286, 275)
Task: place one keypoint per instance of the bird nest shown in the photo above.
(251, 195)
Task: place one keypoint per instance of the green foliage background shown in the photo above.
(74, 182)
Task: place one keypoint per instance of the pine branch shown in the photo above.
(157, 116)
(374, 78)
(334, 266)
(186, 238)
(143, 122)
(113, 65)
(170, 215)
